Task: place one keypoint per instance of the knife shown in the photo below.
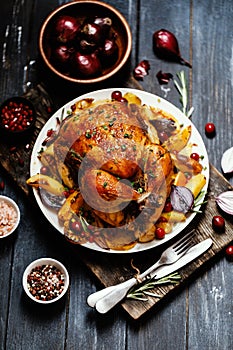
(106, 298)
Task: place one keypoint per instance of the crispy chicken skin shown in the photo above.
(110, 151)
(110, 134)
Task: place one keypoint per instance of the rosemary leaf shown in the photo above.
(138, 291)
(153, 294)
(132, 296)
(183, 91)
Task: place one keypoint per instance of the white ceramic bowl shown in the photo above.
(10, 203)
(40, 262)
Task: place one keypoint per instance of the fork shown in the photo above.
(108, 297)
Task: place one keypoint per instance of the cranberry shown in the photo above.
(159, 233)
(167, 207)
(116, 95)
(218, 223)
(66, 194)
(76, 226)
(162, 219)
(195, 156)
(229, 252)
(210, 129)
(122, 100)
(44, 170)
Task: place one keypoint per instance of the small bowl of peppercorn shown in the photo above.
(17, 117)
(85, 42)
(45, 280)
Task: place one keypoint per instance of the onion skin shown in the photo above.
(166, 46)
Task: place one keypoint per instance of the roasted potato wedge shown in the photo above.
(46, 182)
(196, 183)
(131, 98)
(174, 216)
(178, 141)
(72, 204)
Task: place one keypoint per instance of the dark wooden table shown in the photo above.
(200, 315)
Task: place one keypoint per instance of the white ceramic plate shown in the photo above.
(150, 100)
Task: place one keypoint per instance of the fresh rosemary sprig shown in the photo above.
(140, 292)
(198, 201)
(183, 91)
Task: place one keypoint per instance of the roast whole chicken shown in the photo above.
(116, 161)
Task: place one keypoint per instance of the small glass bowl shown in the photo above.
(43, 264)
(8, 204)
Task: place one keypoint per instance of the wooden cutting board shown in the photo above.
(108, 268)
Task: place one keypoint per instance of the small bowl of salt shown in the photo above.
(9, 216)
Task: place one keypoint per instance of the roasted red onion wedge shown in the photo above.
(182, 199)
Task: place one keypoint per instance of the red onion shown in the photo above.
(227, 161)
(164, 78)
(86, 65)
(60, 56)
(182, 199)
(65, 29)
(105, 23)
(166, 46)
(225, 201)
(92, 33)
(141, 70)
(109, 52)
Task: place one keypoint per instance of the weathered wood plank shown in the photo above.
(210, 299)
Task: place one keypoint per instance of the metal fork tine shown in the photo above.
(185, 247)
(183, 239)
(184, 243)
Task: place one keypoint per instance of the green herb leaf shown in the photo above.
(138, 292)
(183, 91)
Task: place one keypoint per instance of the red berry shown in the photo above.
(218, 223)
(167, 207)
(116, 95)
(210, 129)
(195, 156)
(162, 219)
(76, 226)
(122, 100)
(44, 170)
(229, 252)
(159, 233)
